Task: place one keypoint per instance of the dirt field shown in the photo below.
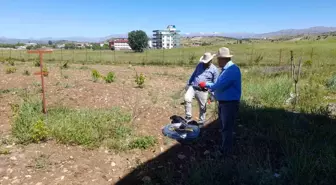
(53, 163)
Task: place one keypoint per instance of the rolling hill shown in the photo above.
(281, 33)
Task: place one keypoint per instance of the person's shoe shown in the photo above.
(188, 118)
(200, 124)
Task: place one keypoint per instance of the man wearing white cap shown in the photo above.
(227, 91)
(205, 71)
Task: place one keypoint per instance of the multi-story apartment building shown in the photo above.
(166, 39)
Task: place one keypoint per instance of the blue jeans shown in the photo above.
(227, 112)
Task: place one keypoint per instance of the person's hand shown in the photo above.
(202, 84)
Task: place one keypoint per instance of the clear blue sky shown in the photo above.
(99, 18)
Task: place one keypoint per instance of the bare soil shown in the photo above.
(52, 163)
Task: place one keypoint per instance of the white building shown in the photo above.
(166, 39)
(150, 43)
(120, 44)
(59, 46)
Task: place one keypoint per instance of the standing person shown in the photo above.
(205, 71)
(227, 90)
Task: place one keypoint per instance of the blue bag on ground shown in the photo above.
(179, 129)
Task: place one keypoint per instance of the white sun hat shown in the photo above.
(224, 52)
(207, 57)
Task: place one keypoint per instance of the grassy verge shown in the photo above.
(247, 54)
(91, 128)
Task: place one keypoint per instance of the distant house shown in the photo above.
(21, 47)
(60, 46)
(30, 44)
(80, 45)
(150, 43)
(119, 44)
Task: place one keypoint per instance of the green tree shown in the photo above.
(37, 46)
(20, 44)
(96, 46)
(69, 46)
(106, 47)
(137, 40)
(50, 42)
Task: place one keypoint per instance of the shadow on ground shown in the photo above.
(272, 146)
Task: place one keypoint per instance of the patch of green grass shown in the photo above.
(11, 61)
(4, 151)
(36, 84)
(91, 128)
(10, 70)
(41, 162)
(5, 91)
(331, 83)
(36, 62)
(84, 67)
(265, 91)
(13, 90)
(143, 142)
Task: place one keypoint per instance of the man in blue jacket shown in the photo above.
(227, 90)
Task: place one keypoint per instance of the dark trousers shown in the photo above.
(227, 112)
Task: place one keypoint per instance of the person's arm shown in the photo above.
(214, 79)
(192, 77)
(224, 81)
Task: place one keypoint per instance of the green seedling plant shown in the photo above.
(45, 71)
(140, 80)
(110, 77)
(95, 75)
(10, 70)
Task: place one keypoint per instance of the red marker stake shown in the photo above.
(41, 52)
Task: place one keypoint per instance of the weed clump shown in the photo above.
(95, 75)
(10, 70)
(26, 72)
(11, 61)
(65, 65)
(45, 71)
(110, 77)
(140, 80)
(36, 62)
(39, 131)
(143, 142)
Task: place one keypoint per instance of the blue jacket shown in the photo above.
(228, 85)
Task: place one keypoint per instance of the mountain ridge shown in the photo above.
(279, 33)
